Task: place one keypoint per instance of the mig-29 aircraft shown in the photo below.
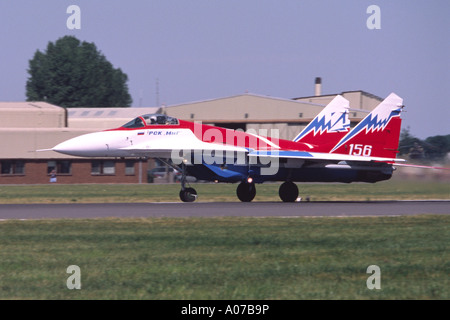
(326, 150)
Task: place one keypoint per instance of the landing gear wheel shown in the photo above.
(288, 191)
(246, 191)
(188, 195)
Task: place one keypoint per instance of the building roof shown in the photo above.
(115, 113)
(31, 115)
(28, 105)
(104, 118)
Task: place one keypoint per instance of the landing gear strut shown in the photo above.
(246, 191)
(288, 191)
(186, 194)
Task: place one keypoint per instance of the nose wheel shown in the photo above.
(186, 194)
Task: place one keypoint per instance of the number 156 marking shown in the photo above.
(360, 150)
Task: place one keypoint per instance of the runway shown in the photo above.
(223, 209)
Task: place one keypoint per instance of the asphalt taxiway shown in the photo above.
(223, 209)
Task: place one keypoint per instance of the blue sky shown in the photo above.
(204, 49)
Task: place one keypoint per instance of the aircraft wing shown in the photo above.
(318, 156)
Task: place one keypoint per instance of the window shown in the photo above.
(60, 167)
(100, 167)
(12, 167)
(129, 167)
(64, 167)
(109, 167)
(135, 123)
(51, 165)
(150, 119)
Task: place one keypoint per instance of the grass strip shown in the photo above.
(226, 258)
(113, 193)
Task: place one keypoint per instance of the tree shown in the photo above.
(432, 148)
(75, 74)
(411, 145)
(437, 147)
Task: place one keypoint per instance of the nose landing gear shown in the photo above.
(186, 194)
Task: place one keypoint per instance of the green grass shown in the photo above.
(84, 193)
(226, 258)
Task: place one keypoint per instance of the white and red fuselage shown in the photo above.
(325, 151)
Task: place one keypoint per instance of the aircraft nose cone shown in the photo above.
(73, 147)
(67, 147)
(88, 145)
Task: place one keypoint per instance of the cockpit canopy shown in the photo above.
(150, 119)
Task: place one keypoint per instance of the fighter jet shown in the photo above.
(325, 151)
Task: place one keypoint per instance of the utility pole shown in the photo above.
(157, 92)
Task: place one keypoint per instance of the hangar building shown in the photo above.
(250, 111)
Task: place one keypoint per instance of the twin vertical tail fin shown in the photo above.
(328, 127)
(378, 134)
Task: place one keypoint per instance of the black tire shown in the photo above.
(288, 191)
(246, 191)
(188, 195)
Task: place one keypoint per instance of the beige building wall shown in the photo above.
(260, 113)
(22, 143)
(264, 113)
(246, 107)
(31, 115)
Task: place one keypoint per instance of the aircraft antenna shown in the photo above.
(157, 92)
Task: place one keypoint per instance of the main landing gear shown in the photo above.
(186, 194)
(246, 191)
(288, 191)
